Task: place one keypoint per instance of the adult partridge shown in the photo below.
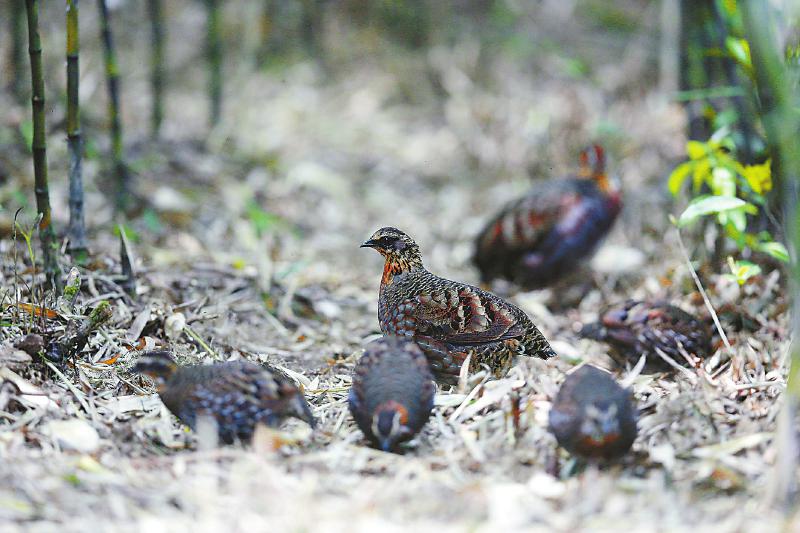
(537, 239)
(236, 395)
(640, 327)
(449, 320)
(392, 393)
(592, 416)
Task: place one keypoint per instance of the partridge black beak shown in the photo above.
(369, 244)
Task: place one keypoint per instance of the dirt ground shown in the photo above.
(247, 247)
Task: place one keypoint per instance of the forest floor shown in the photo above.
(247, 247)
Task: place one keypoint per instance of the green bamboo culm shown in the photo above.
(16, 21)
(114, 110)
(77, 226)
(311, 28)
(266, 30)
(781, 120)
(214, 55)
(155, 11)
(39, 146)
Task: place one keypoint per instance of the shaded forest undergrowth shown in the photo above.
(246, 246)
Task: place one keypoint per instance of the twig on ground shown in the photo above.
(703, 293)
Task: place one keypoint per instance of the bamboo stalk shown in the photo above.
(16, 29)
(781, 122)
(693, 72)
(731, 76)
(77, 227)
(39, 146)
(266, 30)
(155, 11)
(214, 56)
(311, 27)
(114, 108)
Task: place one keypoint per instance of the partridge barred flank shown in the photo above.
(447, 319)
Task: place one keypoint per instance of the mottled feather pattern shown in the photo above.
(237, 395)
(639, 327)
(539, 238)
(592, 416)
(393, 370)
(450, 320)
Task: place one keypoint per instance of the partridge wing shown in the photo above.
(464, 316)
(522, 224)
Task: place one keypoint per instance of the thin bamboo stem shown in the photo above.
(17, 31)
(114, 107)
(266, 30)
(311, 28)
(77, 227)
(214, 56)
(155, 11)
(39, 146)
(729, 68)
(781, 123)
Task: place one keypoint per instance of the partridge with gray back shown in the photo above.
(392, 393)
(639, 327)
(236, 395)
(592, 416)
(539, 238)
(449, 320)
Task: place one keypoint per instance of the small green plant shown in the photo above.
(264, 221)
(741, 271)
(734, 192)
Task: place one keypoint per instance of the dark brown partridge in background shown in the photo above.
(592, 416)
(237, 395)
(539, 238)
(638, 327)
(449, 320)
(392, 393)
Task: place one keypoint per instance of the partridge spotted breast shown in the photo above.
(592, 416)
(392, 393)
(536, 240)
(236, 395)
(638, 327)
(447, 319)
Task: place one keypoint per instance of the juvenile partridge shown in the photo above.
(392, 393)
(449, 320)
(539, 238)
(638, 327)
(592, 416)
(237, 395)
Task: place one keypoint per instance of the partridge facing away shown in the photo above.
(237, 395)
(592, 416)
(449, 320)
(537, 239)
(638, 327)
(392, 393)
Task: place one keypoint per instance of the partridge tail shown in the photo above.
(536, 345)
